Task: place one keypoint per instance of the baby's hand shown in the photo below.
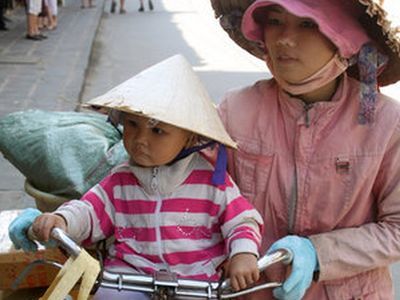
(43, 225)
(242, 270)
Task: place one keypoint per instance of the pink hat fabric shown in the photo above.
(337, 22)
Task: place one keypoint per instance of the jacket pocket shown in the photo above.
(339, 186)
(330, 190)
(254, 169)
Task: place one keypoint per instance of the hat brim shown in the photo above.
(374, 20)
(179, 99)
(105, 109)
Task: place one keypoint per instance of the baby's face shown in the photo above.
(150, 144)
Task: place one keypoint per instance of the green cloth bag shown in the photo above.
(62, 153)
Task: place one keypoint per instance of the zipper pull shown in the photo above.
(307, 107)
(154, 179)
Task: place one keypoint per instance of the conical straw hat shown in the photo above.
(170, 92)
(376, 20)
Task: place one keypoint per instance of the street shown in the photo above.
(129, 43)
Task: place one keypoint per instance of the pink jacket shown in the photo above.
(167, 217)
(314, 171)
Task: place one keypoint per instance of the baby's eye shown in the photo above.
(157, 130)
(309, 24)
(132, 123)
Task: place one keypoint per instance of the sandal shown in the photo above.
(33, 37)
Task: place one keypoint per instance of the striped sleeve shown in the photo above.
(91, 219)
(241, 224)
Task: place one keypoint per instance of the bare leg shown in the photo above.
(32, 25)
(55, 21)
(141, 8)
(122, 6)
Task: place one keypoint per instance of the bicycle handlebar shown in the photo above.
(167, 283)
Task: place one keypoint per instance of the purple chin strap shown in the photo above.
(370, 64)
(220, 166)
(218, 177)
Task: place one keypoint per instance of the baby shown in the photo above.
(168, 207)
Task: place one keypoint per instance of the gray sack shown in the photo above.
(62, 153)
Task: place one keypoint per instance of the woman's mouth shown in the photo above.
(283, 58)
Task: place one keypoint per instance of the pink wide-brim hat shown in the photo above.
(337, 19)
(338, 25)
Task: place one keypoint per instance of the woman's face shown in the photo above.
(151, 145)
(295, 47)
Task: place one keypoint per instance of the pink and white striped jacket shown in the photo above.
(168, 217)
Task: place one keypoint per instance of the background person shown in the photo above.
(121, 6)
(2, 20)
(33, 9)
(150, 3)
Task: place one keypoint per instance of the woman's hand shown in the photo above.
(44, 223)
(304, 263)
(242, 270)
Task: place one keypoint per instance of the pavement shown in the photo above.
(48, 75)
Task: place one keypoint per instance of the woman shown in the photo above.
(318, 144)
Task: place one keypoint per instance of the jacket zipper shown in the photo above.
(292, 204)
(307, 107)
(154, 187)
(293, 192)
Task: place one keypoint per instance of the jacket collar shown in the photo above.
(164, 179)
(295, 108)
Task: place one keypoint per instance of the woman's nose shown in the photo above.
(287, 37)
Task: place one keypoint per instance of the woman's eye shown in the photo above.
(309, 24)
(157, 130)
(273, 21)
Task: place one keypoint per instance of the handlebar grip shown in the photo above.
(65, 242)
(281, 255)
(61, 238)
